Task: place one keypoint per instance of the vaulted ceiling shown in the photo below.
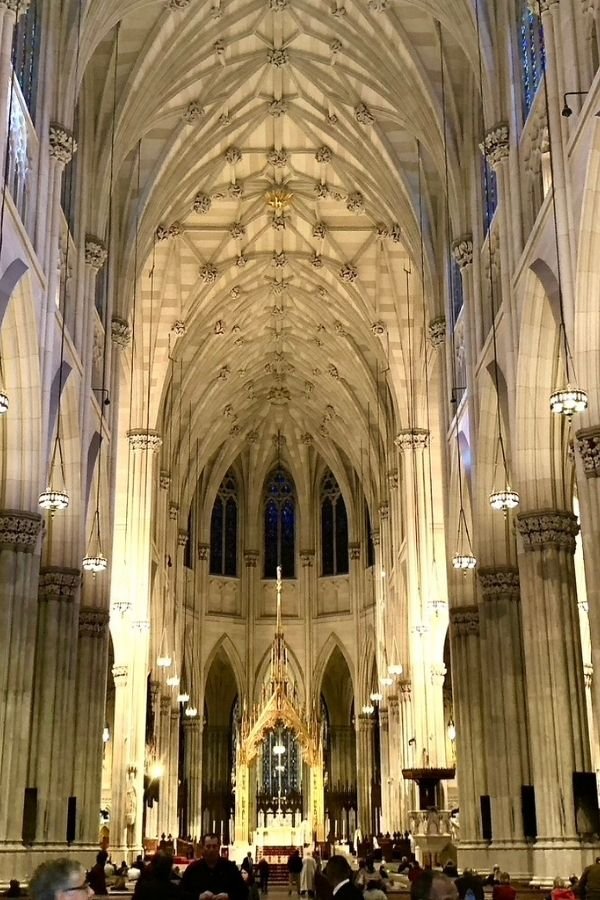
(275, 164)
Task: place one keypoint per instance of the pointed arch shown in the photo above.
(332, 643)
(226, 645)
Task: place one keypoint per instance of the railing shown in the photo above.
(23, 153)
(433, 823)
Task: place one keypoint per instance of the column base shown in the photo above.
(538, 862)
(19, 861)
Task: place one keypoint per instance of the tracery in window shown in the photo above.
(279, 525)
(334, 528)
(532, 54)
(27, 54)
(224, 529)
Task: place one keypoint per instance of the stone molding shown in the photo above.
(462, 251)
(190, 724)
(495, 145)
(464, 620)
(203, 551)
(548, 528)
(58, 583)
(95, 252)
(144, 439)
(375, 537)
(384, 719)
(365, 722)
(93, 622)
(437, 331)
(307, 558)
(393, 480)
(19, 530)
(119, 674)
(173, 510)
(499, 583)
(588, 447)
(384, 511)
(165, 704)
(354, 550)
(164, 480)
(413, 439)
(20, 6)
(120, 332)
(405, 688)
(251, 558)
(62, 143)
(182, 538)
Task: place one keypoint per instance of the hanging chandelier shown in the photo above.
(395, 670)
(376, 697)
(368, 709)
(567, 401)
(3, 403)
(173, 681)
(53, 500)
(121, 605)
(504, 500)
(191, 712)
(95, 564)
(183, 697)
(94, 561)
(463, 559)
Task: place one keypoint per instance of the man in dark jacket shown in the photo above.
(469, 881)
(96, 877)
(213, 878)
(339, 875)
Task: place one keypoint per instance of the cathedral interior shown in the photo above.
(300, 427)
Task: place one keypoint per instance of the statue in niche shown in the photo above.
(130, 801)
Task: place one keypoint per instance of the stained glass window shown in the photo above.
(489, 185)
(370, 544)
(334, 528)
(281, 763)
(27, 55)
(280, 525)
(224, 528)
(532, 54)
(457, 291)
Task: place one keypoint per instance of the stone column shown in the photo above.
(427, 631)
(364, 765)
(588, 493)
(173, 775)
(193, 764)
(506, 712)
(52, 757)
(90, 702)
(384, 738)
(130, 586)
(555, 682)
(407, 788)
(469, 718)
(19, 569)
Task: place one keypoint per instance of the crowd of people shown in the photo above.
(213, 877)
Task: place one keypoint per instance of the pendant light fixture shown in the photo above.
(56, 497)
(502, 498)
(569, 398)
(463, 558)
(95, 561)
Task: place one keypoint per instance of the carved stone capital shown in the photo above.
(462, 251)
(58, 583)
(548, 528)
(191, 725)
(405, 689)
(93, 622)
(393, 480)
(375, 537)
(499, 584)
(62, 144)
(251, 558)
(588, 447)
(15, 6)
(165, 705)
(182, 538)
(588, 674)
(19, 530)
(203, 552)
(495, 145)
(307, 558)
(541, 6)
(119, 674)
(354, 550)
(95, 252)
(437, 331)
(177, 5)
(173, 510)
(384, 511)
(437, 673)
(413, 439)
(120, 332)
(144, 439)
(464, 620)
(164, 480)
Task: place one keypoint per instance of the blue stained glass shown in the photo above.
(532, 55)
(490, 193)
(223, 529)
(457, 291)
(216, 539)
(280, 526)
(341, 537)
(327, 536)
(230, 567)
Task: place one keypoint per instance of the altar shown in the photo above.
(279, 831)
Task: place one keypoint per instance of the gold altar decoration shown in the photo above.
(279, 707)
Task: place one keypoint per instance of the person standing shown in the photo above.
(263, 874)
(213, 878)
(307, 876)
(470, 885)
(155, 881)
(97, 876)
(294, 867)
(339, 875)
(589, 883)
